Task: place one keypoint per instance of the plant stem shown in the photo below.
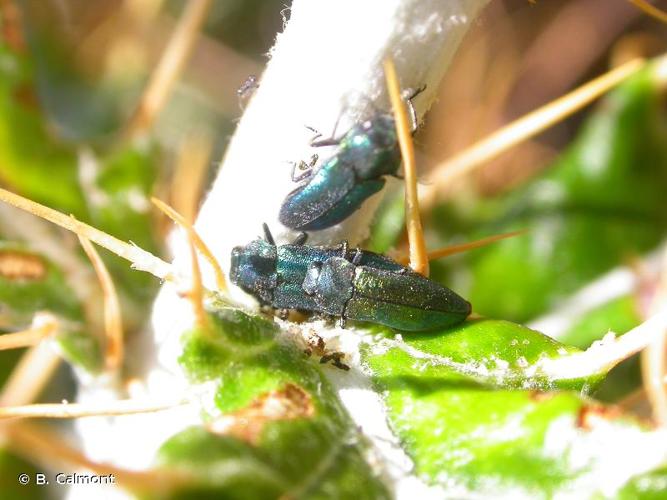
(316, 77)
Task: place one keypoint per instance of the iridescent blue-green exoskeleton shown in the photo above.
(331, 193)
(348, 284)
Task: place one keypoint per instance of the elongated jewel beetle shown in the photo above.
(331, 193)
(348, 284)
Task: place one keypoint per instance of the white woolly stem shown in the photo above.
(326, 66)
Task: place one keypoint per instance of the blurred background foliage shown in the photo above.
(589, 191)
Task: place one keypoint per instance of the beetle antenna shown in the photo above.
(267, 235)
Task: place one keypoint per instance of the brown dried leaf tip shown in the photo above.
(289, 403)
(19, 266)
(590, 414)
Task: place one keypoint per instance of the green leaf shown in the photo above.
(108, 189)
(476, 353)
(296, 459)
(600, 202)
(32, 161)
(315, 452)
(447, 399)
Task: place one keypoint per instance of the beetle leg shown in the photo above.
(408, 95)
(335, 358)
(300, 239)
(307, 169)
(338, 364)
(329, 141)
(343, 247)
(299, 166)
(247, 89)
(267, 235)
(315, 131)
(357, 256)
(317, 142)
(342, 321)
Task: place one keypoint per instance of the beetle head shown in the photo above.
(253, 268)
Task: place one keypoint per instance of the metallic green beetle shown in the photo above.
(347, 284)
(331, 193)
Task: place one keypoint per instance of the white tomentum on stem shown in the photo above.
(326, 67)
